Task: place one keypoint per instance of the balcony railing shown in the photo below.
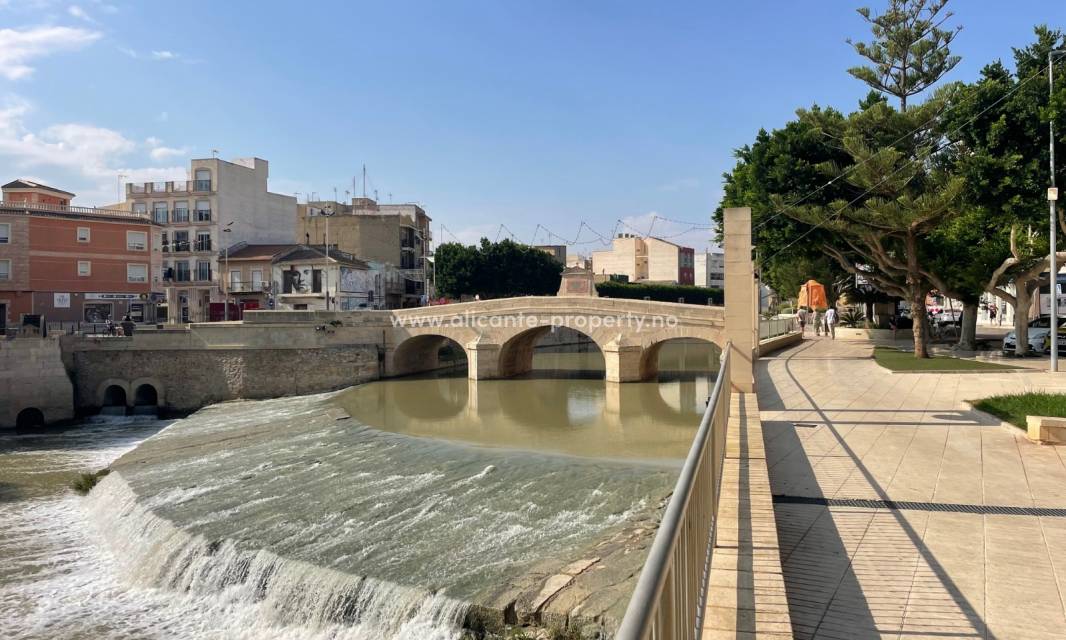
(10, 207)
(667, 601)
(202, 245)
(203, 215)
(248, 286)
(174, 186)
(179, 215)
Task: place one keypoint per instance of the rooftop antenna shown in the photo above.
(390, 196)
(364, 180)
(347, 196)
(214, 153)
(375, 195)
(335, 194)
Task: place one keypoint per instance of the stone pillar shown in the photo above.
(741, 301)
(482, 360)
(622, 362)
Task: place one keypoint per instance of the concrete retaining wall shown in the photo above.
(32, 376)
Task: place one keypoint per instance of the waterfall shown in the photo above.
(270, 590)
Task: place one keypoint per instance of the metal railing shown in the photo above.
(248, 286)
(169, 186)
(773, 327)
(61, 209)
(667, 603)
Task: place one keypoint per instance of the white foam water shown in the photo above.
(106, 567)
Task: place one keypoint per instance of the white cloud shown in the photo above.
(161, 152)
(79, 157)
(80, 13)
(20, 47)
(164, 55)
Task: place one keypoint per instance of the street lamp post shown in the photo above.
(225, 276)
(1052, 196)
(327, 211)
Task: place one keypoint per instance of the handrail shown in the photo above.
(11, 206)
(668, 598)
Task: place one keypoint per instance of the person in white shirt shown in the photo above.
(831, 322)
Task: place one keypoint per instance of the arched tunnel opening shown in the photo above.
(145, 399)
(546, 352)
(114, 402)
(29, 419)
(429, 354)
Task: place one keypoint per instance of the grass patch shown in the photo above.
(896, 360)
(1014, 407)
(85, 482)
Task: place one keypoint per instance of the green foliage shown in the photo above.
(495, 270)
(897, 360)
(851, 317)
(1016, 406)
(909, 51)
(85, 482)
(661, 292)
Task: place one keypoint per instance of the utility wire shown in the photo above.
(904, 165)
(854, 167)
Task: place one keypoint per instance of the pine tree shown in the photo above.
(909, 52)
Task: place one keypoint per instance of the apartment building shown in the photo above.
(73, 264)
(645, 260)
(392, 234)
(710, 269)
(307, 277)
(225, 203)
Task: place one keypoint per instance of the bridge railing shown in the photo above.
(669, 597)
(773, 327)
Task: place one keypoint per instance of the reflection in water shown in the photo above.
(562, 406)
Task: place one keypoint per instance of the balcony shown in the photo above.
(202, 245)
(203, 215)
(180, 215)
(174, 186)
(249, 286)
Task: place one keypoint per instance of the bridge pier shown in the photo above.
(482, 359)
(622, 363)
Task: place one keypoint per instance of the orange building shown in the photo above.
(73, 264)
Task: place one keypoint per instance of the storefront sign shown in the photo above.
(112, 296)
(61, 300)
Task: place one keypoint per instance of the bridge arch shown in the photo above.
(426, 352)
(29, 418)
(516, 353)
(114, 393)
(650, 357)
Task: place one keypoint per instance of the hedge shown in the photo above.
(661, 292)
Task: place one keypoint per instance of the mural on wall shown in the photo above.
(354, 280)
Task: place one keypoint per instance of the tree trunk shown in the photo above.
(1023, 299)
(921, 323)
(968, 334)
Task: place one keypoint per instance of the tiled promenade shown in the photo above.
(838, 426)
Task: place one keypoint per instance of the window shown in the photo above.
(203, 180)
(203, 210)
(181, 241)
(159, 212)
(140, 207)
(137, 240)
(83, 234)
(85, 268)
(137, 312)
(235, 279)
(181, 271)
(203, 270)
(97, 311)
(5, 233)
(136, 273)
(257, 279)
(5, 269)
(164, 241)
(181, 211)
(203, 240)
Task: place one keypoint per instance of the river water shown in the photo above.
(289, 519)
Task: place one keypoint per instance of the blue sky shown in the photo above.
(520, 113)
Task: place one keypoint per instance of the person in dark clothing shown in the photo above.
(128, 326)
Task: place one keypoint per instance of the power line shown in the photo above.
(903, 166)
(854, 167)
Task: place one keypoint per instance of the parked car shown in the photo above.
(1039, 330)
(1062, 340)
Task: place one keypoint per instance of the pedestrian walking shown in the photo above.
(818, 319)
(801, 317)
(831, 323)
(992, 314)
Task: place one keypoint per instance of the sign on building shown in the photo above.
(61, 300)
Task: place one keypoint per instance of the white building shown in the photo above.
(225, 203)
(710, 269)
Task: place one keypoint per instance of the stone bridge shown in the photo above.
(498, 336)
